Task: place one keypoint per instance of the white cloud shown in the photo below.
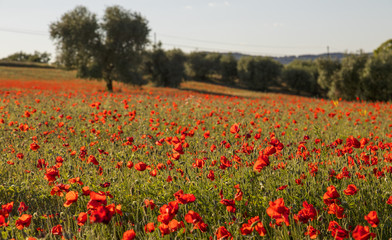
(211, 4)
(227, 4)
(188, 7)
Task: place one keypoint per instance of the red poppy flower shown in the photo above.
(92, 159)
(169, 179)
(389, 201)
(239, 193)
(140, 166)
(312, 232)
(222, 233)
(34, 146)
(51, 174)
(149, 227)
(57, 230)
(86, 190)
(353, 142)
(269, 150)
(101, 215)
(75, 180)
(261, 162)
(253, 224)
(6, 209)
(307, 213)
(175, 225)
(331, 194)
(351, 190)
(59, 189)
(211, 175)
(23, 221)
(192, 217)
(230, 205)
(82, 218)
(149, 204)
(372, 218)
(235, 128)
(333, 208)
(129, 235)
(278, 211)
(129, 164)
(207, 134)
(184, 198)
(201, 226)
(96, 200)
(41, 164)
(3, 223)
(22, 208)
(362, 233)
(260, 229)
(168, 211)
(199, 163)
(70, 197)
(337, 231)
(281, 188)
(164, 229)
(178, 148)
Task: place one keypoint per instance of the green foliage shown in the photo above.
(301, 76)
(327, 68)
(176, 67)
(110, 50)
(36, 57)
(259, 73)
(228, 68)
(197, 66)
(376, 84)
(346, 82)
(385, 47)
(166, 68)
(77, 37)
(213, 60)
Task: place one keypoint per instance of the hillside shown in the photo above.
(288, 59)
(22, 77)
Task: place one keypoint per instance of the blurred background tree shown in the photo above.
(301, 75)
(259, 73)
(166, 68)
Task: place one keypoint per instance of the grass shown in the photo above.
(203, 142)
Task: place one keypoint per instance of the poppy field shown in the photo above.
(156, 163)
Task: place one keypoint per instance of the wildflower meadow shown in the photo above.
(157, 163)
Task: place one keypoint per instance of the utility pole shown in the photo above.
(155, 38)
(328, 51)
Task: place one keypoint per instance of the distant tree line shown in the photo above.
(117, 48)
(357, 76)
(36, 57)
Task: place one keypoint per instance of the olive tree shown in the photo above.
(166, 68)
(259, 73)
(108, 50)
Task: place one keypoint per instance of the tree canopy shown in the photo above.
(108, 50)
(385, 47)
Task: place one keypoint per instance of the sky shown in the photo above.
(255, 27)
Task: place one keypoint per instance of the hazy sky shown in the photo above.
(257, 27)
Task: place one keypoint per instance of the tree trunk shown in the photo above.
(109, 85)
